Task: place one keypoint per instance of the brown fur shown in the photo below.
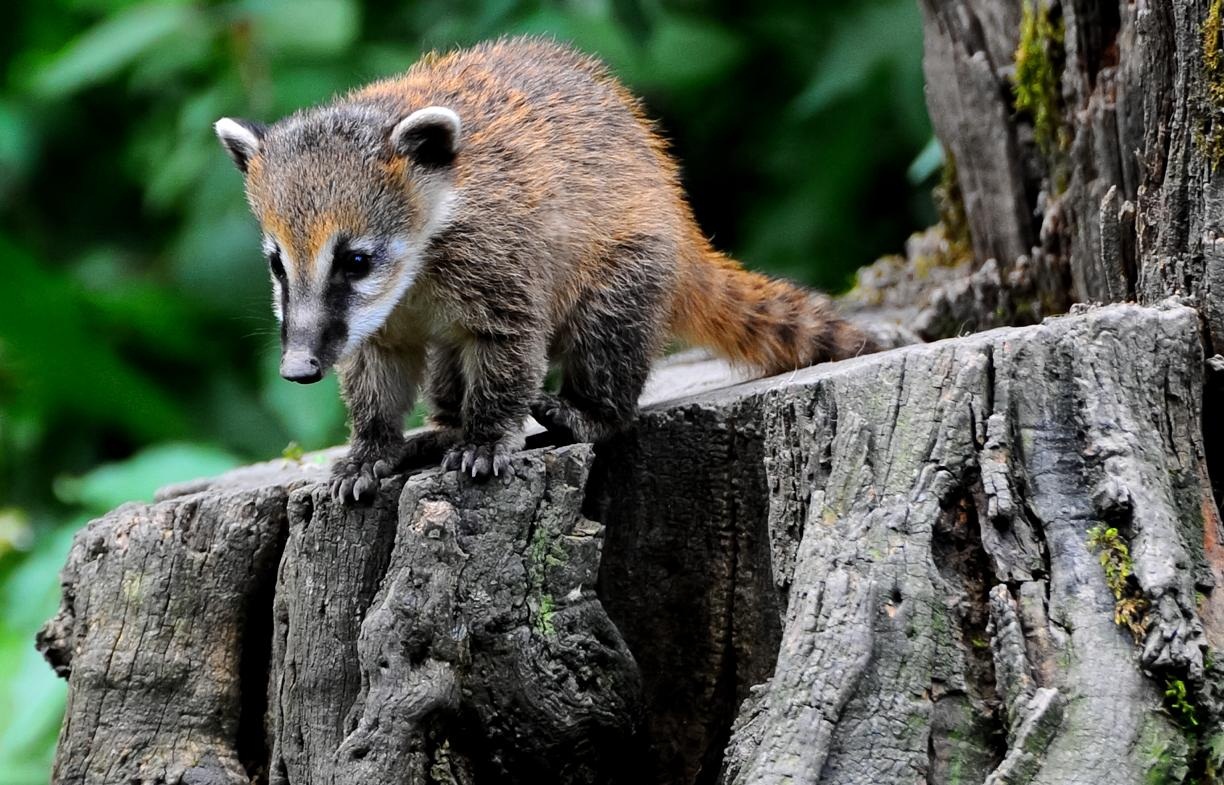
(570, 239)
(749, 318)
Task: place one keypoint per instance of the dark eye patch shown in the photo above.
(351, 264)
(278, 266)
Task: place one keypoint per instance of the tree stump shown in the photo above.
(873, 571)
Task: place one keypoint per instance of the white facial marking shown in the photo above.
(403, 262)
(323, 263)
(269, 247)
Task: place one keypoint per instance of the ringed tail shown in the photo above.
(754, 320)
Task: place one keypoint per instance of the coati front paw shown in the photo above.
(355, 479)
(481, 460)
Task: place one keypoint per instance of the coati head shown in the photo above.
(348, 198)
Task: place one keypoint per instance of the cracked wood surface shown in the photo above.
(927, 509)
(1123, 204)
(866, 572)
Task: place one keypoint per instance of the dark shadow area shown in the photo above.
(686, 577)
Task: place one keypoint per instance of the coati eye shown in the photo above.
(354, 264)
(278, 267)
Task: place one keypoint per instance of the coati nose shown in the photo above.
(301, 367)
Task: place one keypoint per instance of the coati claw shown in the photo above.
(479, 461)
(355, 481)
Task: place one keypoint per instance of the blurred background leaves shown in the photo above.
(137, 345)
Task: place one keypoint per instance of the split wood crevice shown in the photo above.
(875, 571)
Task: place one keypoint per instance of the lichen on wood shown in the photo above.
(1038, 63)
(1209, 138)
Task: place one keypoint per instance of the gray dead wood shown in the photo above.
(869, 572)
(1122, 203)
(945, 613)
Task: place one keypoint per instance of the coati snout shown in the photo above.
(300, 366)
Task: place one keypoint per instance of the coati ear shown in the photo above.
(241, 139)
(428, 136)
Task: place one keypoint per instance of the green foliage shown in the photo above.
(1039, 57)
(110, 485)
(31, 696)
(1207, 134)
(1213, 757)
(1115, 557)
(1177, 703)
(1130, 606)
(293, 452)
(1167, 757)
(137, 345)
(543, 620)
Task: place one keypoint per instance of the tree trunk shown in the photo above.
(1084, 138)
(991, 559)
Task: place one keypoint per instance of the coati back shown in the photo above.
(488, 211)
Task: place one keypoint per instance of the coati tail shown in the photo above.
(766, 323)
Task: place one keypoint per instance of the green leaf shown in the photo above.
(187, 50)
(310, 28)
(852, 59)
(137, 478)
(108, 47)
(926, 163)
(31, 696)
(687, 52)
(17, 143)
(15, 531)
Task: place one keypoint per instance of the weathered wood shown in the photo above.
(1117, 199)
(449, 629)
(946, 615)
(867, 572)
(162, 634)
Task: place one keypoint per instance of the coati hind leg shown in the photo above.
(606, 349)
(446, 387)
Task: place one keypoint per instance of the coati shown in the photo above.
(489, 211)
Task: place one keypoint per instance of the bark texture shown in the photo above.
(875, 571)
(946, 615)
(1084, 138)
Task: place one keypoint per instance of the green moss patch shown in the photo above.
(1130, 606)
(1040, 56)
